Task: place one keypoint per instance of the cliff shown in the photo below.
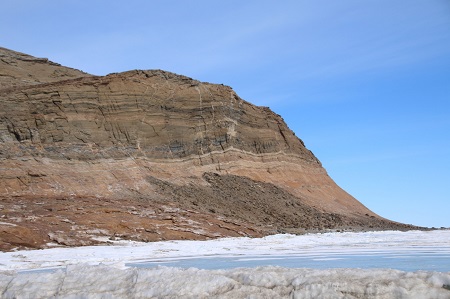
(151, 155)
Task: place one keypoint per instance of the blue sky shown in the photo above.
(365, 84)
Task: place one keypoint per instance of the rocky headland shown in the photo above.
(152, 155)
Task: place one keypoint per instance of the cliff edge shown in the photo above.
(151, 155)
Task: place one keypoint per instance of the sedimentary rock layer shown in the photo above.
(159, 138)
(19, 69)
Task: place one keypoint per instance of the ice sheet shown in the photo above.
(311, 244)
(100, 272)
(101, 281)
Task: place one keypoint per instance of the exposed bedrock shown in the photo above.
(155, 136)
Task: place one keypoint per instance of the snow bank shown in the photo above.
(101, 281)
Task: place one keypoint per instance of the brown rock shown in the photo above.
(19, 69)
(19, 237)
(157, 139)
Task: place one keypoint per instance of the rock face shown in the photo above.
(149, 155)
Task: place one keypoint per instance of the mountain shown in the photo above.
(152, 155)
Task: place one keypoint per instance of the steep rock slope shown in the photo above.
(196, 159)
